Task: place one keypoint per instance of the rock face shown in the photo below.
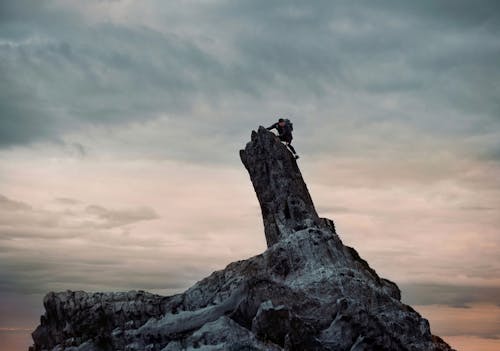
(282, 193)
(307, 291)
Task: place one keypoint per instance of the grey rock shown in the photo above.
(282, 193)
(307, 291)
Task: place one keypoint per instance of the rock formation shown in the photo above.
(307, 291)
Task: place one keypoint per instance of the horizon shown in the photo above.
(122, 121)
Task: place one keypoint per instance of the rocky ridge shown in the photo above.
(307, 291)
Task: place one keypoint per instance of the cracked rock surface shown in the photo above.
(307, 291)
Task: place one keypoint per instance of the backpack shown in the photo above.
(289, 124)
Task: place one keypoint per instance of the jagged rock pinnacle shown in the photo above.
(282, 193)
(307, 291)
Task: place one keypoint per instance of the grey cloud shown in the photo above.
(47, 230)
(402, 81)
(462, 12)
(12, 205)
(22, 220)
(34, 277)
(19, 310)
(121, 217)
(451, 295)
(66, 82)
(67, 201)
(334, 209)
(76, 149)
(43, 250)
(477, 208)
(457, 310)
(491, 153)
(330, 64)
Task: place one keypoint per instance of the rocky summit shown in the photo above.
(307, 291)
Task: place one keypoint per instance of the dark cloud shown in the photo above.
(429, 67)
(446, 294)
(52, 86)
(461, 12)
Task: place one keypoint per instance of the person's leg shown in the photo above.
(291, 148)
(287, 142)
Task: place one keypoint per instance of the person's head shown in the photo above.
(281, 122)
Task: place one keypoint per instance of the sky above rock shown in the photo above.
(121, 121)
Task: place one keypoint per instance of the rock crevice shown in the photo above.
(307, 291)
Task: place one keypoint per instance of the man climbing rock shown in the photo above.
(285, 128)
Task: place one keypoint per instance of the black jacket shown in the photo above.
(284, 132)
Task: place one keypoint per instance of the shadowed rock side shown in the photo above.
(283, 196)
(307, 291)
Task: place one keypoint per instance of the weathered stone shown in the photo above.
(307, 291)
(282, 193)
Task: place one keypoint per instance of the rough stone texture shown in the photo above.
(307, 291)
(282, 193)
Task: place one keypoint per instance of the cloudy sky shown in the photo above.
(121, 121)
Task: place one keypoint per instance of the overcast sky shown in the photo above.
(121, 121)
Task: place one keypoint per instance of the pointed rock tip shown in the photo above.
(253, 136)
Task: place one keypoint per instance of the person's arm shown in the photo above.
(273, 126)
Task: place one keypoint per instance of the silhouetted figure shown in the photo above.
(285, 128)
